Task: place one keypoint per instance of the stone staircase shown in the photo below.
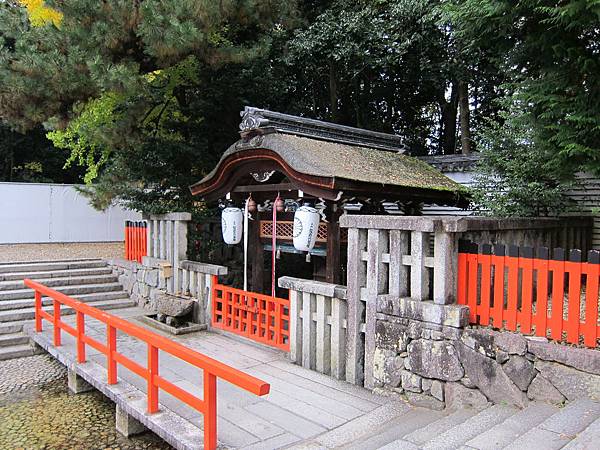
(88, 280)
(539, 426)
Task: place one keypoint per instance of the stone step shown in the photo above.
(16, 351)
(47, 266)
(11, 327)
(358, 428)
(47, 261)
(46, 301)
(16, 286)
(587, 439)
(71, 290)
(55, 274)
(458, 435)
(506, 432)
(440, 426)
(560, 428)
(29, 313)
(394, 430)
(11, 339)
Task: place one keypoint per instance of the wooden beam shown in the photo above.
(266, 187)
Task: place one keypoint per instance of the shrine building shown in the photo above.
(334, 168)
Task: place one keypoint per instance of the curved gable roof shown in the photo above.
(333, 166)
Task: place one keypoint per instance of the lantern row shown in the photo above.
(306, 226)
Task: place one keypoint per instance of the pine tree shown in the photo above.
(129, 87)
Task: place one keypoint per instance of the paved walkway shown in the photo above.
(60, 251)
(302, 404)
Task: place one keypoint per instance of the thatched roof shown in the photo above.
(316, 157)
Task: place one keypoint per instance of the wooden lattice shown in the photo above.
(285, 230)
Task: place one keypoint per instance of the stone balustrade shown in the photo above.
(196, 280)
(167, 240)
(317, 325)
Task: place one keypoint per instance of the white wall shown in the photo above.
(36, 212)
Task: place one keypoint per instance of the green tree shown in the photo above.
(551, 104)
(516, 177)
(130, 88)
(390, 66)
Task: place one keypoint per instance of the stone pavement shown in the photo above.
(308, 410)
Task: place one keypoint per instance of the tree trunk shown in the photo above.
(465, 117)
(448, 126)
(358, 107)
(333, 94)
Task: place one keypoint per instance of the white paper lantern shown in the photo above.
(306, 226)
(232, 225)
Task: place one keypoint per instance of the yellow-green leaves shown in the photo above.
(40, 14)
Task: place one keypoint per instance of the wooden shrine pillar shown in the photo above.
(332, 268)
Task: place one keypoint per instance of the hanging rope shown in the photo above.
(274, 245)
(246, 243)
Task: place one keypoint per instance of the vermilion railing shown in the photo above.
(519, 292)
(136, 244)
(259, 317)
(212, 369)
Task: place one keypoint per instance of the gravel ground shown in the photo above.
(38, 412)
(47, 252)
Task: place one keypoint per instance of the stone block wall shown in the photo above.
(428, 354)
(143, 282)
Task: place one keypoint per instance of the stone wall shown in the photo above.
(427, 353)
(143, 282)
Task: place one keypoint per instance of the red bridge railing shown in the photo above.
(212, 369)
(136, 244)
(259, 317)
(519, 292)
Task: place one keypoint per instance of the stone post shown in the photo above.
(76, 383)
(127, 425)
(355, 350)
(200, 276)
(445, 262)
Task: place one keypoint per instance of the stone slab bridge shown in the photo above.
(301, 405)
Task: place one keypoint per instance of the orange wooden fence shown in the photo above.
(136, 244)
(516, 291)
(262, 318)
(211, 368)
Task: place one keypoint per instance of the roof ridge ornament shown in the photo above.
(261, 121)
(252, 119)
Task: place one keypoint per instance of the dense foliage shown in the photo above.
(145, 96)
(550, 52)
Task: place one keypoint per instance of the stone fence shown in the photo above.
(317, 325)
(167, 241)
(565, 232)
(416, 258)
(402, 285)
